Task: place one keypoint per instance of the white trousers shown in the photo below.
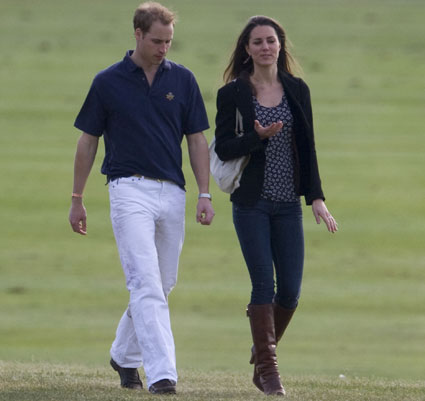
(148, 222)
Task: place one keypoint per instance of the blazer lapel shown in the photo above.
(293, 95)
(290, 91)
(243, 99)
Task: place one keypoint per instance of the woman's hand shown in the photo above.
(321, 211)
(269, 131)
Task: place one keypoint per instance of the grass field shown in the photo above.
(46, 382)
(362, 310)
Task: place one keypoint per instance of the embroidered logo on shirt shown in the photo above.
(169, 96)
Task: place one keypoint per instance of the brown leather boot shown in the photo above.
(282, 317)
(261, 318)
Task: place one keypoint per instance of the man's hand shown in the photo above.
(84, 158)
(200, 162)
(204, 212)
(78, 217)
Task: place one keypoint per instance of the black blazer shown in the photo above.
(238, 94)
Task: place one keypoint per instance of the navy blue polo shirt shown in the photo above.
(143, 126)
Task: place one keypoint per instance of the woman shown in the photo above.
(278, 136)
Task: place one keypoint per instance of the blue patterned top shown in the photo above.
(279, 183)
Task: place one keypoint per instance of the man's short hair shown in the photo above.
(147, 13)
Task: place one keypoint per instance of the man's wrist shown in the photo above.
(77, 197)
(205, 195)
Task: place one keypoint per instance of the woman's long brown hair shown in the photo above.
(241, 64)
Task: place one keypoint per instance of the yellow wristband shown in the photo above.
(74, 195)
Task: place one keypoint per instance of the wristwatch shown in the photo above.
(205, 195)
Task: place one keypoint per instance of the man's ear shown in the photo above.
(138, 34)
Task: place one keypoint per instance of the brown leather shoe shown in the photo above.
(164, 386)
(129, 376)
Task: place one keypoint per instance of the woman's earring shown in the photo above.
(249, 58)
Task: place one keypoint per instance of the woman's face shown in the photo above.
(263, 46)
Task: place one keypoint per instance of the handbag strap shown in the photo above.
(239, 123)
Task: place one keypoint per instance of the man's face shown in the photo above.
(153, 45)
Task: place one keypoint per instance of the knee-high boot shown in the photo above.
(261, 318)
(282, 317)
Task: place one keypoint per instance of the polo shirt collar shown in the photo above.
(131, 66)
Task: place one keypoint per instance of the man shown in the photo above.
(143, 106)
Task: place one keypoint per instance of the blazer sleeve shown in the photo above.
(314, 190)
(228, 146)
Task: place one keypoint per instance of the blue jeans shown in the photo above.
(272, 240)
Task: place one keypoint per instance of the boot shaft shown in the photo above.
(282, 317)
(261, 319)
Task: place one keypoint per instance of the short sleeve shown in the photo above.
(196, 119)
(92, 116)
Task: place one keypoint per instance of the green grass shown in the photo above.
(45, 382)
(362, 310)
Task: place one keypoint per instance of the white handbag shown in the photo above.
(227, 174)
